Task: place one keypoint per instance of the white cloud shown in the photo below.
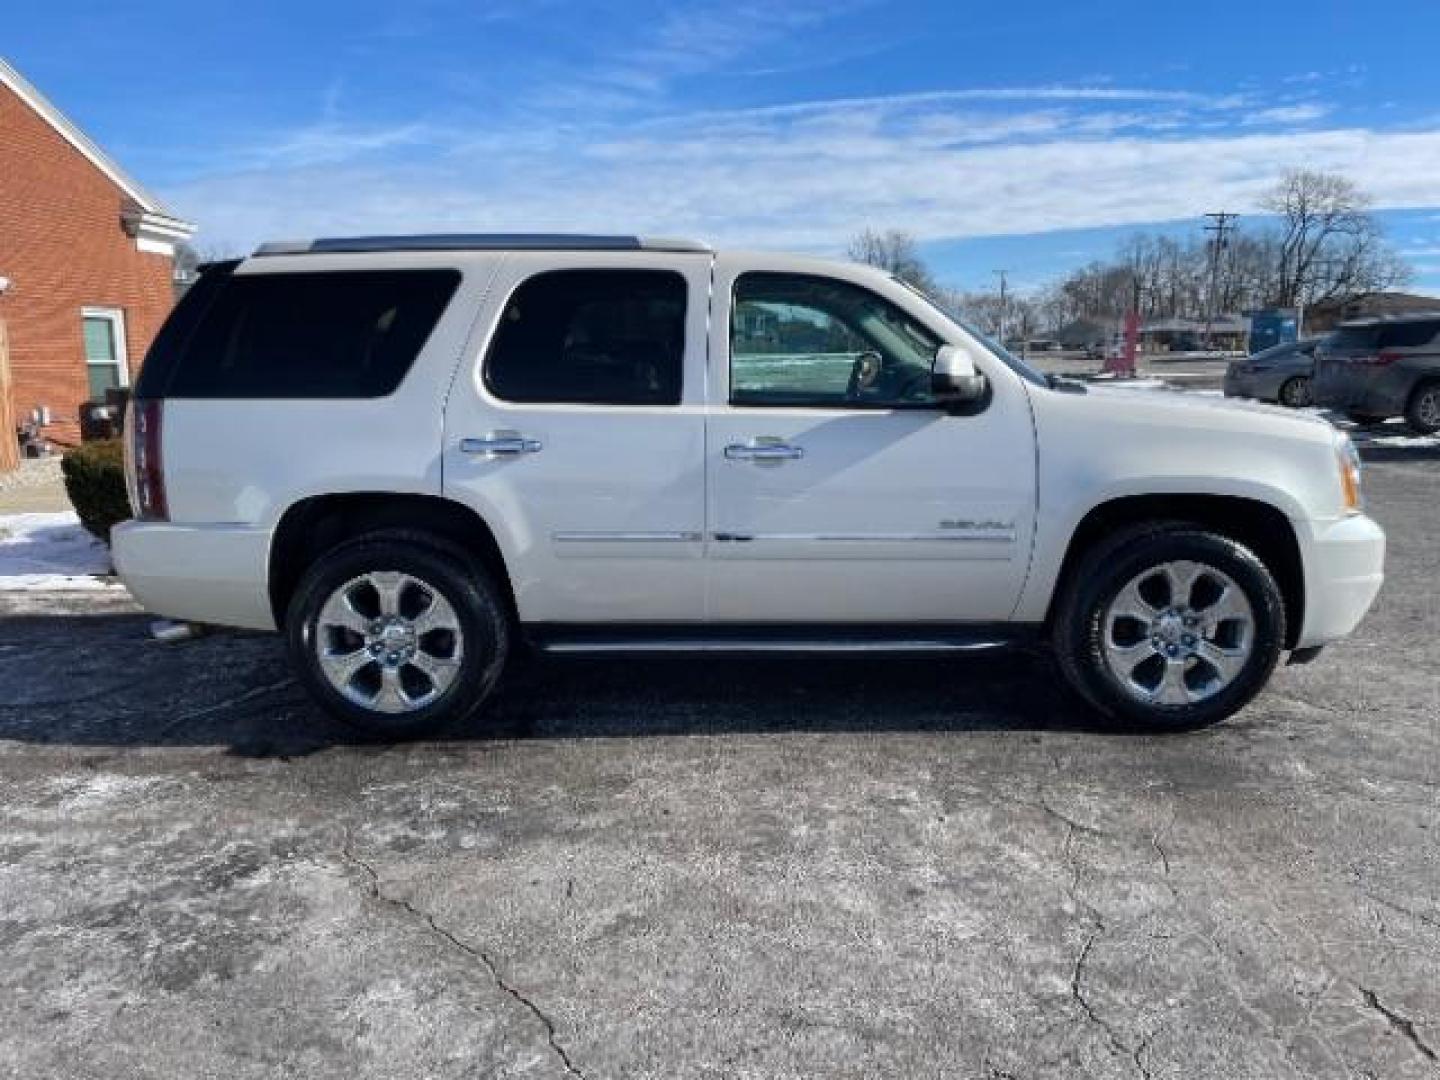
(1288, 114)
(808, 183)
(330, 141)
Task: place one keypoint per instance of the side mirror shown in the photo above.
(953, 378)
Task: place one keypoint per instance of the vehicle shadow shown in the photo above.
(100, 680)
(1371, 452)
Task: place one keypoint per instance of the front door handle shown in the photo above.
(764, 449)
(501, 444)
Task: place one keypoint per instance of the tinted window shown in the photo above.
(174, 336)
(801, 340)
(351, 334)
(1405, 335)
(1282, 351)
(591, 337)
(1354, 337)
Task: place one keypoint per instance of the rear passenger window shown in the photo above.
(591, 337)
(1407, 335)
(343, 334)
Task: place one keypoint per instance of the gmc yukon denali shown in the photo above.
(412, 454)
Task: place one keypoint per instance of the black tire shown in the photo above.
(1296, 392)
(1109, 567)
(1422, 411)
(483, 640)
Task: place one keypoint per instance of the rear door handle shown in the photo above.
(501, 444)
(763, 449)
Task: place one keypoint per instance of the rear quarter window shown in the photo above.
(345, 334)
(1406, 335)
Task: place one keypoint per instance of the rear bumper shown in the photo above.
(1238, 385)
(201, 573)
(1343, 575)
(1358, 389)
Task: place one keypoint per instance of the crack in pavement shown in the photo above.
(1160, 834)
(1403, 1024)
(475, 953)
(1419, 916)
(1077, 994)
(220, 706)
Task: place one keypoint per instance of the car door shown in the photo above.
(838, 492)
(575, 429)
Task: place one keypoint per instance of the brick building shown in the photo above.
(86, 255)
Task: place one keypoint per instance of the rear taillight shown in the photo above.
(147, 465)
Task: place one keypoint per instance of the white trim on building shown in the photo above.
(155, 228)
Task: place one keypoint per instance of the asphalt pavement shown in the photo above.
(717, 868)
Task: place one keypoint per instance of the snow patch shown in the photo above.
(51, 553)
(1408, 442)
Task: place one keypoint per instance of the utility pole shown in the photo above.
(1220, 224)
(1004, 310)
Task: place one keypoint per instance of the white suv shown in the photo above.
(410, 453)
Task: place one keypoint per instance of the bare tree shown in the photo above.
(1329, 243)
(896, 252)
(1018, 315)
(189, 258)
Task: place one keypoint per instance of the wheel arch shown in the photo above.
(1260, 526)
(312, 526)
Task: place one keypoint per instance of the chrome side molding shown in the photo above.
(580, 537)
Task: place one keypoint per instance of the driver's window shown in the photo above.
(801, 340)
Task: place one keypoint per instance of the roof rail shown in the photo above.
(476, 242)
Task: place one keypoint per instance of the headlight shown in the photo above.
(1348, 460)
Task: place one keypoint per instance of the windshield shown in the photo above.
(1004, 355)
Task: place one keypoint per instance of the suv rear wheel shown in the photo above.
(397, 633)
(1170, 626)
(1422, 412)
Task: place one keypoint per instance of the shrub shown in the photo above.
(95, 482)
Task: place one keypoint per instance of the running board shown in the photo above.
(776, 639)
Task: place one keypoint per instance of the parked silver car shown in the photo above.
(1374, 369)
(1282, 373)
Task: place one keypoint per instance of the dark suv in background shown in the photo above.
(1373, 369)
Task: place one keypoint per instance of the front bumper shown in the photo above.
(1343, 574)
(199, 573)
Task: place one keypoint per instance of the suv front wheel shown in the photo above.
(397, 633)
(1170, 626)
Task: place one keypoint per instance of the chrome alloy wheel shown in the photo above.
(1427, 407)
(1178, 633)
(389, 642)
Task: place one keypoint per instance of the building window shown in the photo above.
(105, 350)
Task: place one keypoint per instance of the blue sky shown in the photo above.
(1025, 136)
